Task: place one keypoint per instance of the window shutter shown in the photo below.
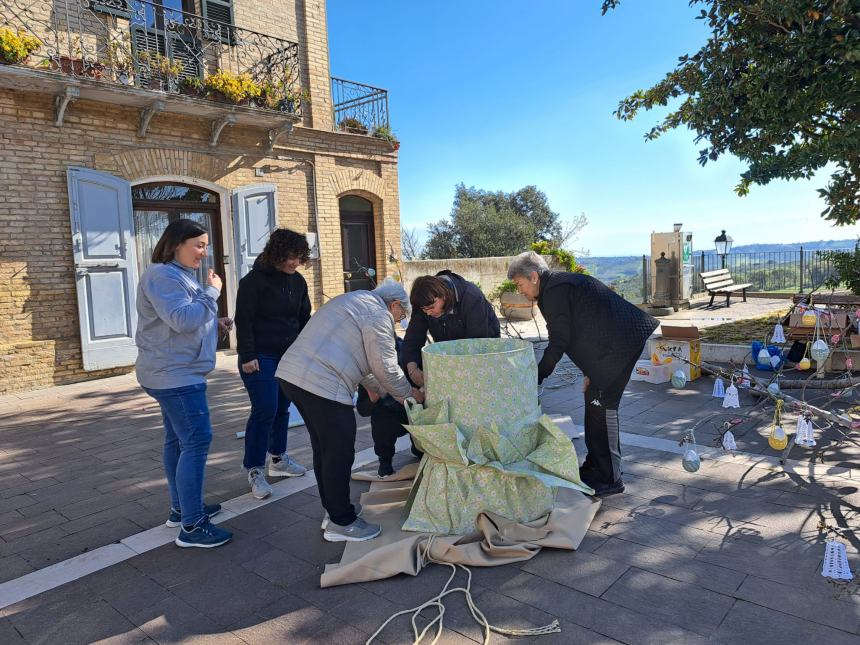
(105, 267)
(113, 7)
(222, 11)
(255, 216)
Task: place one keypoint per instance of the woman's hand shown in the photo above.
(415, 374)
(225, 325)
(418, 395)
(251, 366)
(373, 395)
(214, 280)
(585, 383)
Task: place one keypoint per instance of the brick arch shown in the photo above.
(150, 162)
(355, 181)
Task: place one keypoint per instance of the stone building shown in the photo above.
(117, 116)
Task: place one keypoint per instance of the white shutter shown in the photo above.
(105, 267)
(255, 216)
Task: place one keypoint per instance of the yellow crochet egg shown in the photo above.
(778, 440)
(804, 364)
(808, 319)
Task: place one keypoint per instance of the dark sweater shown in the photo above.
(472, 316)
(272, 307)
(598, 329)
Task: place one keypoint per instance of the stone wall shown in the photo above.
(489, 273)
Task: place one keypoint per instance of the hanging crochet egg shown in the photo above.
(835, 338)
(729, 442)
(691, 461)
(773, 388)
(775, 360)
(778, 334)
(804, 364)
(819, 351)
(778, 440)
(679, 379)
(849, 364)
(763, 356)
(808, 318)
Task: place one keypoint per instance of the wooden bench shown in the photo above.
(720, 282)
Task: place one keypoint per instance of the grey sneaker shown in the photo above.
(326, 518)
(286, 467)
(260, 488)
(358, 531)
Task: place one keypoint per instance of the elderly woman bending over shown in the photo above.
(603, 335)
(349, 341)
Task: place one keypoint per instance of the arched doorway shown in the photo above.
(357, 243)
(155, 205)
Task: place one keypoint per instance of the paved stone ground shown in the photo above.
(730, 554)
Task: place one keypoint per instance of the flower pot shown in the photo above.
(222, 98)
(515, 306)
(77, 67)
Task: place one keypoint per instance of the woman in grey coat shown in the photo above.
(349, 341)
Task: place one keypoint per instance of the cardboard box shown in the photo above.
(680, 351)
(831, 321)
(646, 371)
(678, 332)
(854, 341)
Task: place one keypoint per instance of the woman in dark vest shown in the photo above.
(448, 307)
(604, 335)
(272, 307)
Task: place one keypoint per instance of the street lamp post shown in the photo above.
(723, 245)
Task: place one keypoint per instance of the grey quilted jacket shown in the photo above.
(347, 342)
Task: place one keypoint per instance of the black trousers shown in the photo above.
(331, 426)
(603, 429)
(386, 425)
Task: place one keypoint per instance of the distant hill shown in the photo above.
(820, 245)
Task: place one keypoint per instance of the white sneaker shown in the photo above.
(286, 467)
(260, 488)
(358, 531)
(326, 518)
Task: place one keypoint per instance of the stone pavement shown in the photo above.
(730, 554)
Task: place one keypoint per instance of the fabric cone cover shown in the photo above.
(487, 447)
(731, 399)
(729, 442)
(778, 334)
(719, 388)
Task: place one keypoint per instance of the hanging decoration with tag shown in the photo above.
(777, 439)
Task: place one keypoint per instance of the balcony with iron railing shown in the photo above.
(361, 109)
(146, 55)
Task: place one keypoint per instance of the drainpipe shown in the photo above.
(313, 167)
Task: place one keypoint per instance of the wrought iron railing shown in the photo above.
(360, 109)
(144, 44)
(792, 271)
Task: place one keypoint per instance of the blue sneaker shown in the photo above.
(175, 517)
(203, 535)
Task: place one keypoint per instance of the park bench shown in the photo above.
(720, 282)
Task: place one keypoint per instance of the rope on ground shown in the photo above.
(436, 601)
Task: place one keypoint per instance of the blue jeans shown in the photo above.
(266, 429)
(187, 435)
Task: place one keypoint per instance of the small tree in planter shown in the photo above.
(384, 132)
(118, 59)
(191, 86)
(353, 125)
(565, 259)
(16, 46)
(512, 304)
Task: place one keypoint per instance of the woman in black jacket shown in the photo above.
(448, 307)
(603, 335)
(272, 307)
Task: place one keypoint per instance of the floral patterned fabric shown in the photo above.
(487, 447)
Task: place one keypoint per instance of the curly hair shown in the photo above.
(284, 244)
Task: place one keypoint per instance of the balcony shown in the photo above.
(361, 109)
(158, 59)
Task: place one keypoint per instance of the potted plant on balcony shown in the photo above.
(228, 87)
(512, 304)
(353, 125)
(385, 133)
(191, 86)
(119, 60)
(16, 46)
(77, 65)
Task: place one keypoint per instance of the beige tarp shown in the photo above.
(496, 540)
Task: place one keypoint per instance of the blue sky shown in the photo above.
(483, 93)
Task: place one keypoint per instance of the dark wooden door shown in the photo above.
(358, 248)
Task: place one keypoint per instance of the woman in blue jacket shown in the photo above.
(177, 332)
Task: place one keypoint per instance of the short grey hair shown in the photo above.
(392, 291)
(525, 263)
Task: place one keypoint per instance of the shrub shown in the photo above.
(15, 46)
(566, 259)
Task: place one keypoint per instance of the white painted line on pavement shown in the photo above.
(58, 574)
